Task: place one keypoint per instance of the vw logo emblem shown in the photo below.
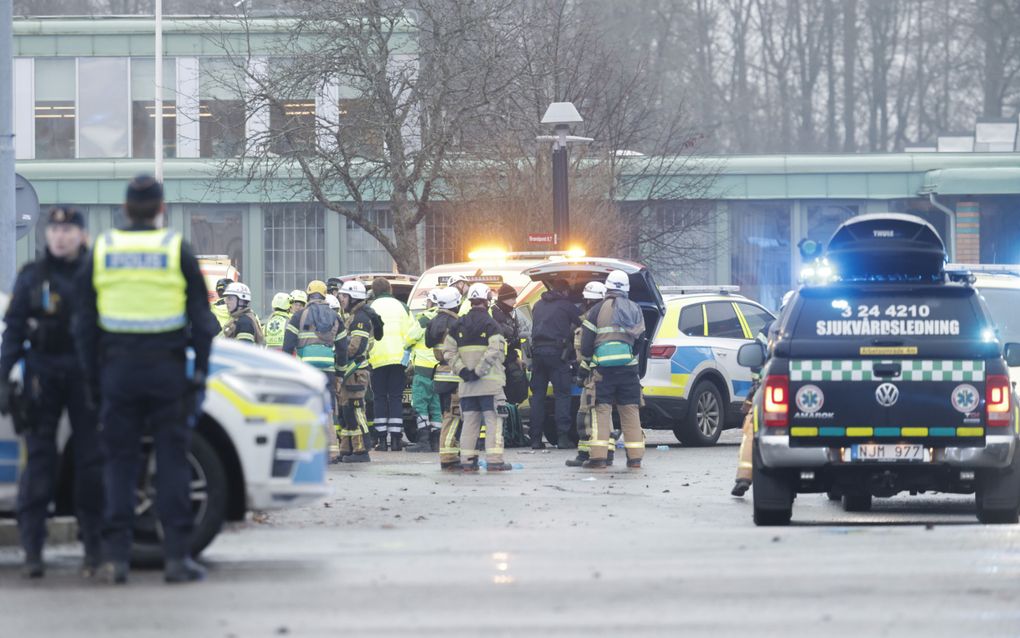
(887, 395)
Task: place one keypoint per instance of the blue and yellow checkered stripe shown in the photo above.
(887, 432)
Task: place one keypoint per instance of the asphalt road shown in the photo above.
(401, 549)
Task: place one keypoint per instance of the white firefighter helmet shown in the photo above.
(594, 290)
(618, 281)
(448, 298)
(239, 290)
(281, 301)
(353, 289)
(298, 296)
(333, 302)
(479, 291)
(433, 296)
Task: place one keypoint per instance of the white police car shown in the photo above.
(693, 385)
(261, 444)
(999, 285)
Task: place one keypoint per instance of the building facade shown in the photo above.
(84, 119)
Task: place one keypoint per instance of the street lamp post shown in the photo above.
(561, 115)
(158, 134)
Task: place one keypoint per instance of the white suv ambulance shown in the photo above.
(693, 385)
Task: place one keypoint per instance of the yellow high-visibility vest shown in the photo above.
(138, 280)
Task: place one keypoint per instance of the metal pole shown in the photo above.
(561, 196)
(158, 143)
(8, 231)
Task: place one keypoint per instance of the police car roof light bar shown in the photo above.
(696, 290)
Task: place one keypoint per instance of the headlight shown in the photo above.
(265, 389)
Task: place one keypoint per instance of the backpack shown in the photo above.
(516, 388)
(513, 426)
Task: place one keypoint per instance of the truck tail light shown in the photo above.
(777, 400)
(997, 399)
(661, 352)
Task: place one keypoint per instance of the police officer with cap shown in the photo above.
(39, 331)
(143, 304)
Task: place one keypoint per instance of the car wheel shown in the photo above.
(998, 494)
(208, 502)
(705, 417)
(773, 494)
(856, 502)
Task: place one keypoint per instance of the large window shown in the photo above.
(55, 82)
(218, 230)
(295, 246)
(292, 114)
(220, 109)
(823, 218)
(103, 107)
(364, 252)
(143, 108)
(760, 250)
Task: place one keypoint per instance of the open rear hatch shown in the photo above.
(578, 272)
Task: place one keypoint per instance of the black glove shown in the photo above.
(5, 397)
(467, 374)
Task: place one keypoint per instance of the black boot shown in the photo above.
(594, 464)
(396, 441)
(634, 464)
(183, 570)
(423, 444)
(565, 442)
(356, 457)
(498, 467)
(380, 442)
(434, 439)
(471, 467)
(451, 466)
(33, 567)
(536, 441)
(579, 461)
(740, 487)
(609, 456)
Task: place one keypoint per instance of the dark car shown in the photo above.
(885, 378)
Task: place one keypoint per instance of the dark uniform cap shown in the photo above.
(65, 215)
(506, 291)
(144, 189)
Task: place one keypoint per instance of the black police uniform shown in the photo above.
(144, 385)
(39, 314)
(552, 334)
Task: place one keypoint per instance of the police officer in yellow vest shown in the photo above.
(389, 365)
(143, 303)
(611, 335)
(276, 324)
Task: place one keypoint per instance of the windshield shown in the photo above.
(493, 277)
(1003, 304)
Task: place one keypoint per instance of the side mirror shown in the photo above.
(1012, 354)
(752, 355)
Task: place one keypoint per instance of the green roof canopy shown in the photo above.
(1003, 180)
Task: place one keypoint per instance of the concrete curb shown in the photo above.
(60, 529)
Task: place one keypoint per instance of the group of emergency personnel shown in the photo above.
(104, 335)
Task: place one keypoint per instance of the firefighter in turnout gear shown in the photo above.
(475, 348)
(611, 337)
(424, 399)
(445, 380)
(316, 334)
(244, 324)
(276, 325)
(362, 327)
(594, 292)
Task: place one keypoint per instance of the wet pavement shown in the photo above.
(401, 549)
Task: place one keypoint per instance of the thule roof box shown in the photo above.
(887, 247)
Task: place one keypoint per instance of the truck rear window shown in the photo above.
(943, 316)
